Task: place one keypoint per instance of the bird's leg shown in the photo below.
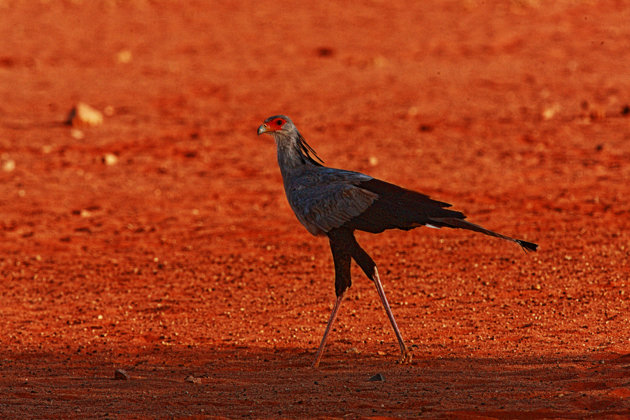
(333, 315)
(342, 260)
(368, 266)
(405, 353)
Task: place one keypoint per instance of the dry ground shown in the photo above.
(182, 258)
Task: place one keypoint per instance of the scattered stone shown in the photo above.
(8, 165)
(124, 56)
(110, 159)
(84, 115)
(121, 375)
(550, 111)
(192, 379)
(377, 378)
(77, 134)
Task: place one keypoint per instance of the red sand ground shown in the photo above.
(184, 259)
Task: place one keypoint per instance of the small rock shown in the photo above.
(192, 379)
(124, 56)
(110, 159)
(84, 115)
(121, 375)
(8, 165)
(550, 111)
(377, 378)
(77, 134)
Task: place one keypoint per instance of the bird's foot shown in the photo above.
(405, 357)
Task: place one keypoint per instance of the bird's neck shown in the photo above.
(291, 157)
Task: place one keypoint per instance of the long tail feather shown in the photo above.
(463, 224)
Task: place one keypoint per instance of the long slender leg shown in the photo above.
(342, 260)
(369, 268)
(344, 246)
(405, 353)
(333, 315)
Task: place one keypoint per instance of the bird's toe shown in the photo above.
(405, 358)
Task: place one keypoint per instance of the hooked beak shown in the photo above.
(264, 128)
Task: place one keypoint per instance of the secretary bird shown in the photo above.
(335, 202)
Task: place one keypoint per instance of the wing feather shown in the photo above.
(327, 198)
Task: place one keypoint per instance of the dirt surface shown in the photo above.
(160, 241)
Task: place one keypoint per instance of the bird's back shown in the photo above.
(325, 198)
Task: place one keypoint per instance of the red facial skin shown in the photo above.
(275, 124)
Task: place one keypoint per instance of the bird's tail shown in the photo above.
(463, 224)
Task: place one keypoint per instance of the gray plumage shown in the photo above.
(324, 199)
(336, 202)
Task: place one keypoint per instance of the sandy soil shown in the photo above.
(160, 242)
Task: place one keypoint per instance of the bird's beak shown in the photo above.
(264, 128)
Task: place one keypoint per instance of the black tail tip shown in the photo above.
(527, 246)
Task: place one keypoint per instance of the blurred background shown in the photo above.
(136, 197)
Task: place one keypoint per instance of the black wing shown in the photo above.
(400, 208)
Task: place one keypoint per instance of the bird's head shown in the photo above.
(278, 124)
(288, 138)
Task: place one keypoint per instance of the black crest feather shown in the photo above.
(308, 152)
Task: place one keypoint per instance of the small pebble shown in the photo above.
(377, 378)
(77, 134)
(8, 165)
(124, 56)
(110, 159)
(121, 375)
(192, 379)
(550, 111)
(84, 115)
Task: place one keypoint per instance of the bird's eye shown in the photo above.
(279, 122)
